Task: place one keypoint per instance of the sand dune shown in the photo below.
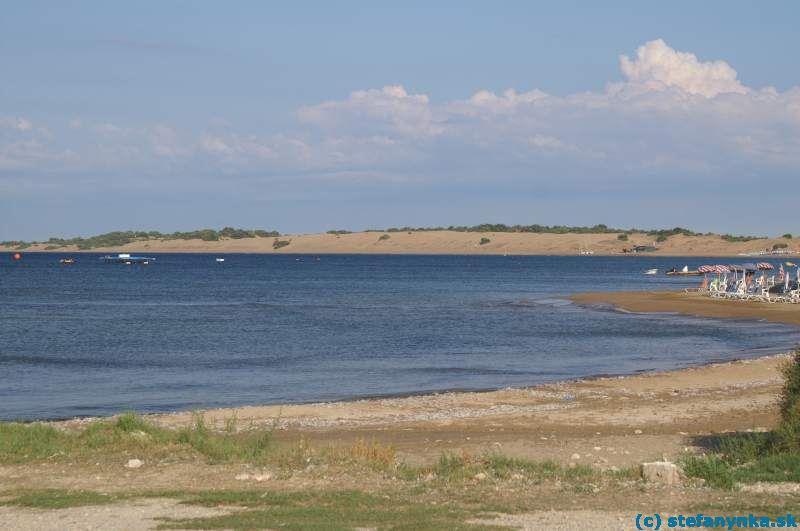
(449, 242)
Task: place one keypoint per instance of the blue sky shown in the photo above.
(308, 116)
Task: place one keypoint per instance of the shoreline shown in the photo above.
(428, 394)
(301, 415)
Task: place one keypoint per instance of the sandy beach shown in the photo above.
(447, 242)
(693, 304)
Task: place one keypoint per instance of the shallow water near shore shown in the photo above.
(189, 332)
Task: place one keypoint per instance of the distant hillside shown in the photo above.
(122, 238)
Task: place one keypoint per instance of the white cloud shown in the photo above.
(391, 106)
(659, 67)
(672, 117)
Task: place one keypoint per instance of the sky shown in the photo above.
(309, 116)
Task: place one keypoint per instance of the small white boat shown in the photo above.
(220, 259)
(653, 271)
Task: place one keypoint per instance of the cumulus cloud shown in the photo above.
(658, 67)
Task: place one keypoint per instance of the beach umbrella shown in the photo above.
(764, 265)
(706, 269)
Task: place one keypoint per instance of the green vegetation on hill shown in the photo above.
(120, 238)
(732, 238)
(659, 234)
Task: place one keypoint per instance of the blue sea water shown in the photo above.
(188, 332)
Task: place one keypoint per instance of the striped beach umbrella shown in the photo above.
(764, 266)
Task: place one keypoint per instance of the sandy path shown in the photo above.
(139, 515)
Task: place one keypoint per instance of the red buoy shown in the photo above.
(17, 256)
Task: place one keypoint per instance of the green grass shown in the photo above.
(752, 457)
(773, 468)
(132, 435)
(716, 472)
(59, 499)
(455, 468)
(21, 443)
(312, 510)
(744, 458)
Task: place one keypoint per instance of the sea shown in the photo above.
(187, 331)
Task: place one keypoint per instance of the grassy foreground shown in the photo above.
(243, 477)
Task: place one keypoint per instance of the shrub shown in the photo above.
(622, 237)
(484, 241)
(277, 244)
(779, 246)
(731, 238)
(662, 238)
(384, 237)
(788, 433)
(788, 236)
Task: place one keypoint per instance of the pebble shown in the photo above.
(637, 432)
(597, 448)
(575, 456)
(480, 476)
(134, 463)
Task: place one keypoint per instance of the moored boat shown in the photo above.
(127, 259)
(683, 272)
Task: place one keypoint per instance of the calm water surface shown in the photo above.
(187, 332)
